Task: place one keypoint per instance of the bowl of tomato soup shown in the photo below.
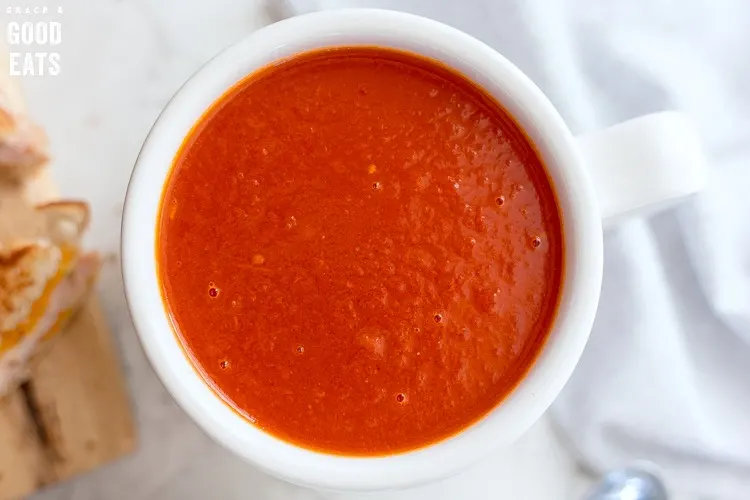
(361, 249)
(385, 243)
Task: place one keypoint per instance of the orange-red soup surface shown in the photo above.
(360, 251)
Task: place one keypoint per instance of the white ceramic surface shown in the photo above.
(561, 154)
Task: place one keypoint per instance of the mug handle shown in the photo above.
(644, 165)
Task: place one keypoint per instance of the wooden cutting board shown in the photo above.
(74, 412)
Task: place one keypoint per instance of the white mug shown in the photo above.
(636, 166)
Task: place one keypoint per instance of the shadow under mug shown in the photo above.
(638, 166)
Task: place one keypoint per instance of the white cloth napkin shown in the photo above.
(666, 374)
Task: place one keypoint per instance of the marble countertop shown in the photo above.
(120, 63)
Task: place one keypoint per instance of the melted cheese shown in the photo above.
(10, 338)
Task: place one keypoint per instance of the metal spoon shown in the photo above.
(629, 483)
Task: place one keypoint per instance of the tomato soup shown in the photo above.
(360, 251)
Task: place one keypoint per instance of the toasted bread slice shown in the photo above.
(44, 278)
(35, 263)
(23, 145)
(25, 273)
(64, 221)
(23, 148)
(61, 300)
(21, 223)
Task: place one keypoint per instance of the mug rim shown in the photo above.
(526, 104)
